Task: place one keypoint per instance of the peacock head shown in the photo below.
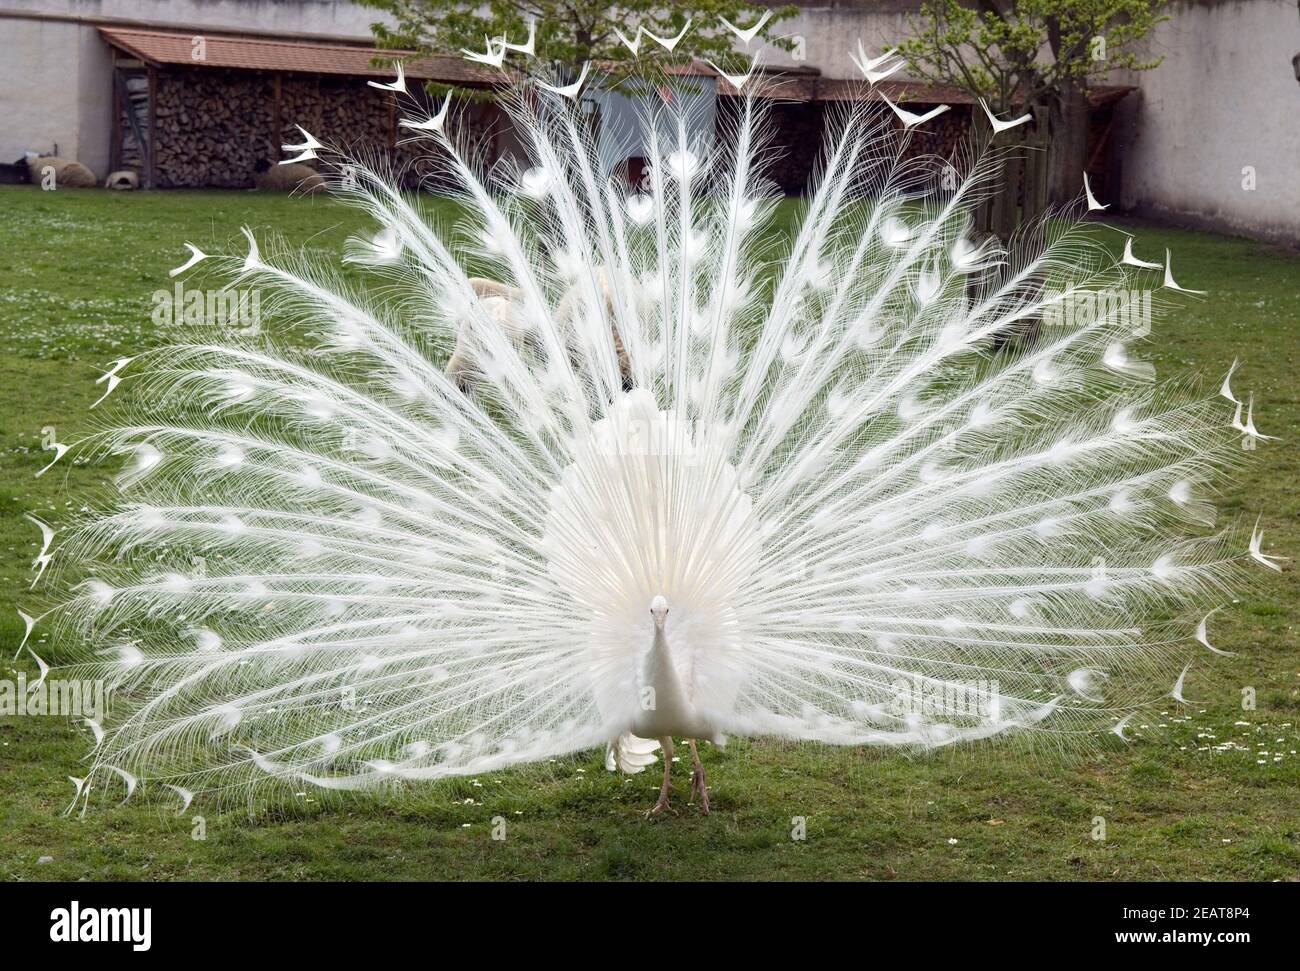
(659, 611)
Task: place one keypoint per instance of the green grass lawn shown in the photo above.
(1206, 791)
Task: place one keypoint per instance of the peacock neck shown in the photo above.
(660, 659)
(661, 675)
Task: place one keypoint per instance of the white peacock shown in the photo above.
(692, 490)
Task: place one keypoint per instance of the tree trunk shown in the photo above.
(1069, 151)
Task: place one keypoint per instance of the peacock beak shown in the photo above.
(659, 611)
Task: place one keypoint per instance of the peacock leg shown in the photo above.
(662, 804)
(698, 786)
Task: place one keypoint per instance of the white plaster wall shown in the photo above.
(55, 75)
(94, 102)
(1225, 98)
(828, 34)
(339, 17)
(38, 91)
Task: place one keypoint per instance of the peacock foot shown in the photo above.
(699, 788)
(661, 806)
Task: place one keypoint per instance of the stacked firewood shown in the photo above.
(219, 128)
(211, 128)
(944, 136)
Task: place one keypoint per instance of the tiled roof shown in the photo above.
(912, 92)
(809, 86)
(261, 53)
(254, 52)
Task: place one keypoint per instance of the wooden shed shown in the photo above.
(202, 108)
(197, 109)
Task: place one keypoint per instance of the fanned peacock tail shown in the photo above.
(873, 465)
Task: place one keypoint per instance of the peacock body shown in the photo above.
(680, 478)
